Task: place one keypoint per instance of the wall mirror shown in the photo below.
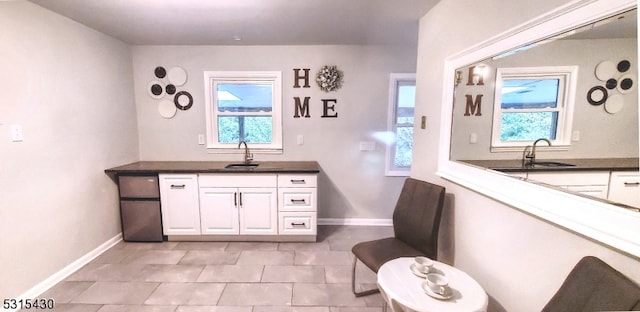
(555, 72)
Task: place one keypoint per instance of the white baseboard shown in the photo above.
(57, 277)
(355, 221)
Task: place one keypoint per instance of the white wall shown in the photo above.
(352, 182)
(71, 90)
(519, 260)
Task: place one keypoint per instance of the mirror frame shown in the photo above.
(600, 221)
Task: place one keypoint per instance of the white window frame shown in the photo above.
(394, 80)
(567, 75)
(212, 78)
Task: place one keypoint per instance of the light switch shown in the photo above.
(16, 133)
(473, 138)
(575, 136)
(367, 146)
(300, 139)
(200, 139)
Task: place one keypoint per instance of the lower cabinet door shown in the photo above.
(258, 211)
(219, 210)
(180, 207)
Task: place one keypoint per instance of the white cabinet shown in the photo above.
(624, 188)
(588, 183)
(179, 204)
(238, 204)
(297, 204)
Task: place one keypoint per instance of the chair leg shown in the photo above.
(353, 283)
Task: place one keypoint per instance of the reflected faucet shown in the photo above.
(247, 156)
(529, 159)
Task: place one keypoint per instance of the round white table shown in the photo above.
(402, 290)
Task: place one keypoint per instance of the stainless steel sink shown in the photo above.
(241, 166)
(552, 164)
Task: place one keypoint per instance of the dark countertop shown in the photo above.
(154, 167)
(595, 164)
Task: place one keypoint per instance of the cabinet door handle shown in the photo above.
(298, 181)
(240, 199)
(298, 224)
(631, 183)
(177, 186)
(235, 199)
(298, 201)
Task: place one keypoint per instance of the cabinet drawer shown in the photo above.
(237, 180)
(297, 180)
(297, 223)
(297, 199)
(138, 186)
(625, 188)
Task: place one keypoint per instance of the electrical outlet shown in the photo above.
(300, 139)
(367, 146)
(16, 133)
(575, 136)
(473, 138)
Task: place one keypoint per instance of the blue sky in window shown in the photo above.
(529, 93)
(246, 95)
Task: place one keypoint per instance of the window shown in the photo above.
(402, 98)
(244, 106)
(532, 103)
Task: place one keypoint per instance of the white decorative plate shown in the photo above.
(605, 70)
(614, 104)
(167, 109)
(177, 76)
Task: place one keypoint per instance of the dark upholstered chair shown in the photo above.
(416, 221)
(593, 285)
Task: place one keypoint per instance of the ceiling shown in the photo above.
(249, 22)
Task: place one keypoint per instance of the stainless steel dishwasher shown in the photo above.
(140, 208)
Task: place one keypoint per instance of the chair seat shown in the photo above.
(377, 252)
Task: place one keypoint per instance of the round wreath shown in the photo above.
(329, 78)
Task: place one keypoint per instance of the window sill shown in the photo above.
(241, 151)
(506, 149)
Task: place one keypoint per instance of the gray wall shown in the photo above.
(352, 182)
(520, 260)
(71, 89)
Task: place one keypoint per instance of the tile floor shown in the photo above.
(224, 277)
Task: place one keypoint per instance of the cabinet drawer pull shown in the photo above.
(298, 201)
(298, 224)
(177, 186)
(301, 181)
(631, 183)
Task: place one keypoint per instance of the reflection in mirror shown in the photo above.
(576, 90)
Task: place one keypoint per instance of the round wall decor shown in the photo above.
(170, 89)
(183, 100)
(155, 89)
(177, 76)
(167, 109)
(611, 84)
(626, 84)
(614, 104)
(605, 70)
(160, 72)
(329, 78)
(597, 95)
(623, 66)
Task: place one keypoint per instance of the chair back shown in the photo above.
(416, 218)
(593, 285)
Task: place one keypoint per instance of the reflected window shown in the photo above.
(533, 103)
(244, 106)
(402, 98)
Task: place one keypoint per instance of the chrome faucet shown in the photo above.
(529, 159)
(247, 156)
